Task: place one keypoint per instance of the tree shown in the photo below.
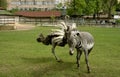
(89, 9)
(118, 7)
(93, 7)
(109, 6)
(3, 3)
(14, 10)
(59, 6)
(97, 8)
(76, 7)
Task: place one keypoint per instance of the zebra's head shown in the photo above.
(72, 36)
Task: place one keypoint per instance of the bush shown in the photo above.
(118, 21)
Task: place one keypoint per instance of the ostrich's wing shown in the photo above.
(57, 32)
(58, 39)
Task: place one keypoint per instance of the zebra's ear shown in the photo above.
(67, 30)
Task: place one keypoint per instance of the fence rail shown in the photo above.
(7, 20)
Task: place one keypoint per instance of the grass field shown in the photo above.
(22, 56)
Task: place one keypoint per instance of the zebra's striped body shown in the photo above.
(82, 41)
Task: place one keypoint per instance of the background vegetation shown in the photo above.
(81, 7)
(22, 56)
(93, 7)
(3, 4)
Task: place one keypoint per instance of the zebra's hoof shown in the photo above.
(88, 71)
(71, 53)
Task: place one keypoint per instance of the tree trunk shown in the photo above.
(109, 12)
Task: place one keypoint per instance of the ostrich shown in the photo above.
(56, 38)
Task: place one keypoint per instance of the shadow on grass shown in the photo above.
(49, 67)
(38, 60)
(55, 69)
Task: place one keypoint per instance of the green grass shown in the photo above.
(22, 56)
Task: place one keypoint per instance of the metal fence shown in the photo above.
(94, 22)
(49, 21)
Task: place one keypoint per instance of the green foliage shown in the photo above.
(118, 21)
(14, 10)
(86, 7)
(5, 12)
(118, 7)
(3, 3)
(59, 6)
(76, 7)
(22, 56)
(90, 7)
(109, 6)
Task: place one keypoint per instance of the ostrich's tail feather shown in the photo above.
(58, 35)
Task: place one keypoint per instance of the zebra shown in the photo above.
(82, 41)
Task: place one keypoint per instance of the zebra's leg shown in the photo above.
(53, 51)
(89, 51)
(79, 53)
(86, 59)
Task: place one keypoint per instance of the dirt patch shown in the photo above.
(6, 27)
(24, 26)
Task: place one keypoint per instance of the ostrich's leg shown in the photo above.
(53, 51)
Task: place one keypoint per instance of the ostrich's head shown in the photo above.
(40, 38)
